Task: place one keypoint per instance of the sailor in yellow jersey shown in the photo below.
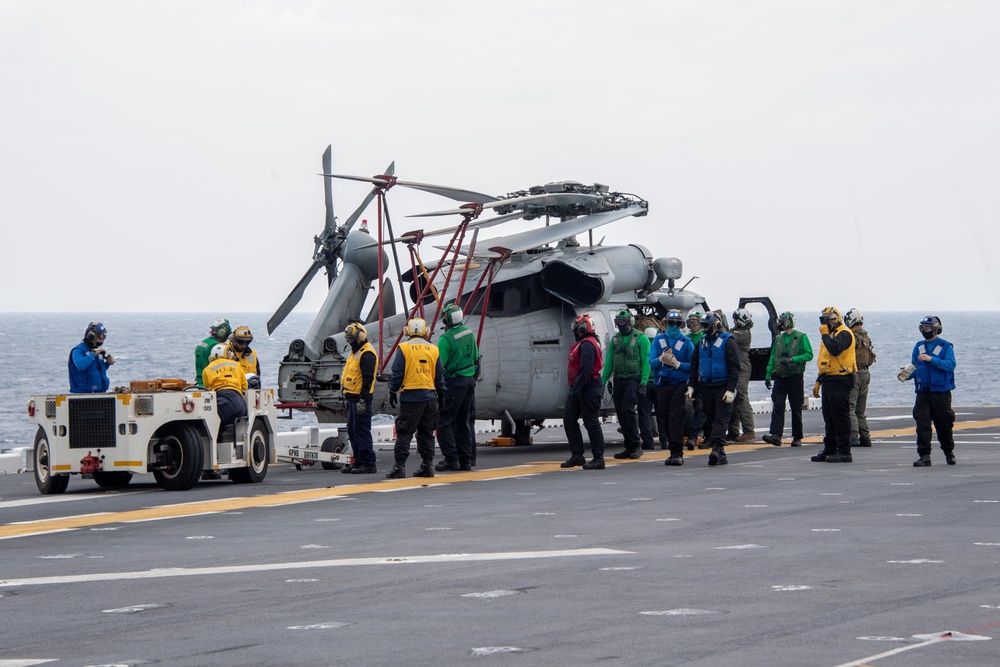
(418, 379)
(837, 367)
(239, 343)
(224, 375)
(358, 383)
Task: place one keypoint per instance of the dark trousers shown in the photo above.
(934, 407)
(587, 405)
(231, 406)
(454, 435)
(359, 432)
(836, 393)
(789, 388)
(670, 404)
(626, 397)
(418, 417)
(717, 414)
(694, 418)
(647, 427)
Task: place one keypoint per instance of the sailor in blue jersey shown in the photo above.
(934, 377)
(670, 361)
(715, 372)
(88, 362)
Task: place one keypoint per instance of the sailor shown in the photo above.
(670, 360)
(933, 376)
(742, 411)
(417, 387)
(239, 343)
(585, 392)
(865, 354)
(217, 333)
(837, 366)
(715, 372)
(358, 384)
(88, 362)
(786, 366)
(628, 367)
(694, 412)
(649, 423)
(460, 360)
(224, 375)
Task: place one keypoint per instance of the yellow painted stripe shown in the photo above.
(65, 466)
(309, 495)
(130, 464)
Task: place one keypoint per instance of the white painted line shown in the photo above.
(742, 546)
(169, 572)
(60, 518)
(25, 662)
(935, 638)
(680, 612)
(490, 595)
(319, 626)
(792, 587)
(61, 499)
(493, 650)
(41, 532)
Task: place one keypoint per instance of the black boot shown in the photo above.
(821, 456)
(840, 458)
(772, 439)
(950, 458)
(676, 459)
(425, 470)
(923, 462)
(718, 457)
(864, 441)
(447, 465)
(594, 464)
(573, 462)
(398, 472)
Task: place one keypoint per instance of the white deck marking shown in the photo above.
(26, 662)
(935, 638)
(61, 499)
(169, 572)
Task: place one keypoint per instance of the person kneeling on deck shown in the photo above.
(417, 373)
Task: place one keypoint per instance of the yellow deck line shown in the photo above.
(309, 495)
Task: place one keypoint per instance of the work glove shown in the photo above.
(642, 391)
(361, 408)
(824, 330)
(611, 387)
(816, 389)
(689, 393)
(767, 384)
(393, 399)
(728, 397)
(108, 359)
(905, 372)
(786, 361)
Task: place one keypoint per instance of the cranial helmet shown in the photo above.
(853, 318)
(932, 324)
(830, 317)
(742, 318)
(452, 315)
(356, 333)
(94, 334)
(624, 315)
(220, 351)
(711, 323)
(416, 328)
(786, 320)
(220, 330)
(675, 319)
(242, 335)
(583, 326)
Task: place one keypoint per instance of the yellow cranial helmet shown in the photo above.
(356, 332)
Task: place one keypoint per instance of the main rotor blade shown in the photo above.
(328, 193)
(482, 224)
(458, 194)
(542, 235)
(293, 298)
(539, 201)
(368, 200)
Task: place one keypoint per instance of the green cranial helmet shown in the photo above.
(786, 320)
(220, 330)
(452, 315)
(624, 316)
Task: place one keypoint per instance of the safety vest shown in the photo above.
(712, 359)
(844, 363)
(788, 344)
(352, 382)
(461, 352)
(224, 374)
(864, 351)
(574, 360)
(927, 376)
(421, 363)
(247, 359)
(625, 358)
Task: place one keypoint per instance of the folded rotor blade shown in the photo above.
(406, 238)
(451, 193)
(368, 200)
(328, 193)
(293, 298)
(538, 201)
(537, 237)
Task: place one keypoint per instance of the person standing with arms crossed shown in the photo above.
(933, 377)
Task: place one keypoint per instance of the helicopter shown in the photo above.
(520, 293)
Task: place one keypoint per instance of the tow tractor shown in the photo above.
(167, 428)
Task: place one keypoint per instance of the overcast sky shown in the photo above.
(163, 156)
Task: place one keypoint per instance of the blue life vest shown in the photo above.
(712, 366)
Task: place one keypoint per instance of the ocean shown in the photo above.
(34, 348)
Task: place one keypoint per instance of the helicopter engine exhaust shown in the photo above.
(593, 275)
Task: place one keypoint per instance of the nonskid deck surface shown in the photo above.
(770, 560)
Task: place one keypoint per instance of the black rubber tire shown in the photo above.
(331, 445)
(258, 454)
(46, 482)
(111, 479)
(185, 451)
